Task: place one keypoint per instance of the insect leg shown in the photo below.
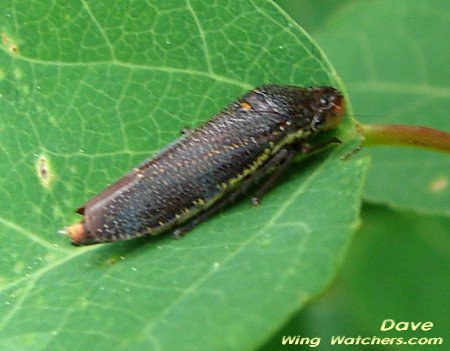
(180, 231)
(300, 147)
(351, 153)
(306, 148)
(283, 164)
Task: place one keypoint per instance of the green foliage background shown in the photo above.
(89, 89)
(392, 57)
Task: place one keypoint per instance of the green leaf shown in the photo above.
(393, 58)
(90, 89)
(313, 15)
(398, 268)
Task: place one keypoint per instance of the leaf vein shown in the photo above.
(99, 27)
(32, 236)
(201, 32)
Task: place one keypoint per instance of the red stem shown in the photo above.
(403, 135)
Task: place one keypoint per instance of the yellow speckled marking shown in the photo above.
(200, 204)
(272, 150)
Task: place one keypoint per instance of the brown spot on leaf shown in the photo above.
(110, 261)
(12, 47)
(43, 169)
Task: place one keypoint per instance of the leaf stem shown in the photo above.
(403, 135)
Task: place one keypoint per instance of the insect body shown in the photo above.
(207, 168)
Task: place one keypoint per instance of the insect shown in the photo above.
(257, 136)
